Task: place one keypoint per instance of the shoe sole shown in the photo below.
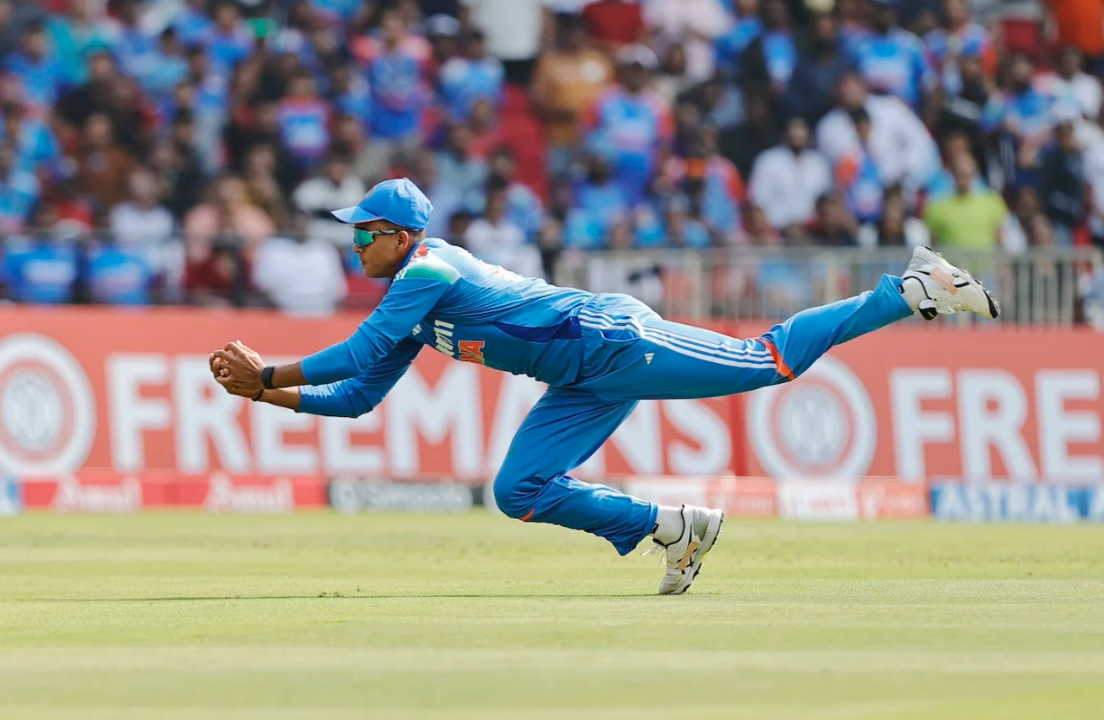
(709, 538)
(936, 260)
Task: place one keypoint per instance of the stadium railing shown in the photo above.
(1050, 286)
(1042, 286)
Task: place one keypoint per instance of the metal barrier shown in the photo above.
(1039, 287)
(1043, 286)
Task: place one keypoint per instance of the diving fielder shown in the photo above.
(598, 354)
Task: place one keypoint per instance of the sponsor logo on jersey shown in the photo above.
(472, 351)
(442, 331)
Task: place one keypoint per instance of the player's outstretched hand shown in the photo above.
(238, 369)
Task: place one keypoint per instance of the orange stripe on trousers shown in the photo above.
(780, 363)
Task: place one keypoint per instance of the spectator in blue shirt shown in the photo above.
(167, 68)
(304, 120)
(711, 184)
(19, 191)
(227, 42)
(633, 123)
(192, 23)
(36, 148)
(350, 93)
(685, 225)
(40, 77)
(854, 21)
(117, 275)
(730, 46)
(209, 103)
(599, 204)
(769, 60)
(337, 12)
(818, 72)
(39, 270)
(893, 60)
(134, 48)
(959, 38)
(395, 78)
(1022, 119)
(858, 177)
(470, 77)
(523, 206)
(457, 168)
(294, 37)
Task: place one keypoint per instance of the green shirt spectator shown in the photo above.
(971, 218)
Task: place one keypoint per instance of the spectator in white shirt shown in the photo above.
(694, 24)
(515, 31)
(902, 147)
(319, 195)
(301, 274)
(787, 179)
(494, 239)
(142, 221)
(1070, 80)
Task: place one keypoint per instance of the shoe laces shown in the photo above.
(656, 548)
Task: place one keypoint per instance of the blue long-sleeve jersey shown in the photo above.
(445, 298)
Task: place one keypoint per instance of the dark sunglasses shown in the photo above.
(364, 238)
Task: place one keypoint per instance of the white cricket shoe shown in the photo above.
(939, 288)
(700, 528)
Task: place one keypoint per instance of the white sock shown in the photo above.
(668, 525)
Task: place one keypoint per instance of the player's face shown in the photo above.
(381, 247)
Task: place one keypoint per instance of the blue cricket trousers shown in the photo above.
(632, 354)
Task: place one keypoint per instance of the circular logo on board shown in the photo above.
(47, 412)
(823, 425)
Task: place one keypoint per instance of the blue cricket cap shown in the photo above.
(396, 201)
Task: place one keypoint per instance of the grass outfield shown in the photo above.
(320, 616)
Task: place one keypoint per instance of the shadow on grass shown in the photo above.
(336, 596)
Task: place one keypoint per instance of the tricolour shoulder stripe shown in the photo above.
(429, 267)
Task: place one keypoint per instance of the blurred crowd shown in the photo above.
(190, 150)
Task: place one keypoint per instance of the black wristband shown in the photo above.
(266, 377)
(259, 395)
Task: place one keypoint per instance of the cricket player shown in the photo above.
(598, 354)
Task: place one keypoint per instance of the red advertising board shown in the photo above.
(110, 491)
(131, 392)
(921, 403)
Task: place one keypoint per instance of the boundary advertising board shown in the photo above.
(131, 392)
